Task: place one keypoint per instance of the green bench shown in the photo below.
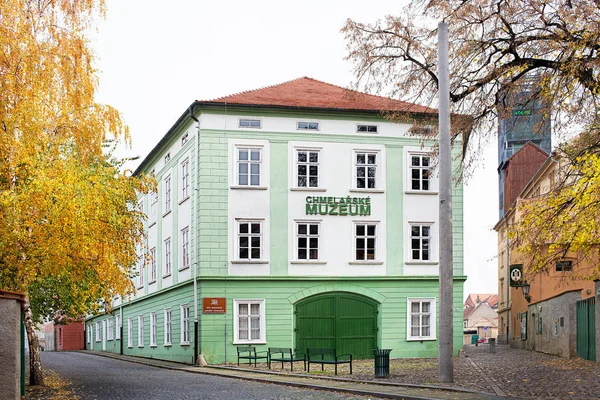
(249, 353)
(327, 356)
(285, 354)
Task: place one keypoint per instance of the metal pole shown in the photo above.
(445, 340)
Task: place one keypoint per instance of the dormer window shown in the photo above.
(308, 126)
(250, 123)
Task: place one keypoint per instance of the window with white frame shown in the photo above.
(140, 331)
(89, 333)
(420, 172)
(153, 329)
(421, 319)
(167, 157)
(129, 332)
(185, 247)
(249, 321)
(366, 128)
(153, 206)
(168, 329)
(167, 256)
(248, 166)
(184, 138)
(365, 164)
(249, 241)
(365, 236)
(307, 168)
(152, 265)
(420, 242)
(140, 272)
(185, 324)
(307, 126)
(98, 331)
(118, 327)
(249, 123)
(308, 240)
(185, 178)
(167, 186)
(110, 329)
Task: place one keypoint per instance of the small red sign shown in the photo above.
(214, 305)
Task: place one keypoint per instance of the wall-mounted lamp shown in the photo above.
(526, 286)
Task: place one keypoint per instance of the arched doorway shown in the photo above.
(345, 321)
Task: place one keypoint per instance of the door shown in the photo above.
(344, 321)
(104, 335)
(586, 329)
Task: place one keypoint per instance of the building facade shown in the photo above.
(289, 216)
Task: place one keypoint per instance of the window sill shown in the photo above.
(140, 287)
(248, 342)
(248, 187)
(130, 347)
(140, 347)
(183, 268)
(166, 276)
(423, 339)
(249, 262)
(421, 263)
(97, 341)
(365, 262)
(167, 345)
(152, 346)
(316, 262)
(167, 213)
(151, 282)
(355, 190)
(151, 224)
(184, 344)
(308, 189)
(184, 200)
(422, 192)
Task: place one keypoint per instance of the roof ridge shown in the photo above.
(260, 88)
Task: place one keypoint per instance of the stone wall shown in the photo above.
(10, 348)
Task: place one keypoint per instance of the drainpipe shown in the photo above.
(507, 281)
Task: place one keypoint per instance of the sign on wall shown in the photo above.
(516, 274)
(318, 205)
(214, 305)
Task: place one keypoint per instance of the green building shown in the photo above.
(289, 216)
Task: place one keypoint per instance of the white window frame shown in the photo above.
(185, 179)
(185, 324)
(356, 166)
(185, 248)
(168, 326)
(153, 207)
(262, 321)
(167, 157)
(129, 332)
(432, 318)
(249, 235)
(184, 138)
(141, 330)
(152, 278)
(97, 331)
(168, 257)
(420, 238)
(249, 123)
(422, 174)
(249, 163)
(141, 264)
(109, 329)
(167, 186)
(89, 333)
(308, 126)
(307, 236)
(153, 329)
(308, 164)
(118, 327)
(367, 127)
(366, 237)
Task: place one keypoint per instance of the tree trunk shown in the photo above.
(36, 377)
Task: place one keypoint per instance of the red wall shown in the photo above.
(521, 168)
(69, 337)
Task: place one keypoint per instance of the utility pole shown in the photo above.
(445, 338)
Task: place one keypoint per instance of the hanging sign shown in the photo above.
(516, 274)
(318, 205)
(214, 305)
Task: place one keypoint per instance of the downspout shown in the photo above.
(507, 281)
(198, 357)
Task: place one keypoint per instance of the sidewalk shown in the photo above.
(378, 389)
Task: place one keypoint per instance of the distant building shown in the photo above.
(480, 316)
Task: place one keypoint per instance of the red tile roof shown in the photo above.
(310, 93)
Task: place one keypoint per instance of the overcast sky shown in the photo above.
(156, 57)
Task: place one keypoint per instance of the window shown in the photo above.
(185, 324)
(185, 178)
(421, 319)
(249, 240)
(167, 326)
(308, 126)
(152, 265)
(365, 237)
(366, 128)
(118, 327)
(184, 138)
(249, 123)
(153, 206)
(564, 265)
(140, 272)
(110, 331)
(167, 185)
(420, 242)
(167, 157)
(308, 240)
(307, 168)
(249, 161)
(153, 329)
(420, 172)
(185, 247)
(366, 170)
(167, 256)
(140, 331)
(249, 321)
(97, 331)
(465, 323)
(129, 332)
(89, 334)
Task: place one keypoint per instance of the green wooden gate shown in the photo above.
(345, 321)
(586, 329)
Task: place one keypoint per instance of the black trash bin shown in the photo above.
(382, 362)
(492, 343)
